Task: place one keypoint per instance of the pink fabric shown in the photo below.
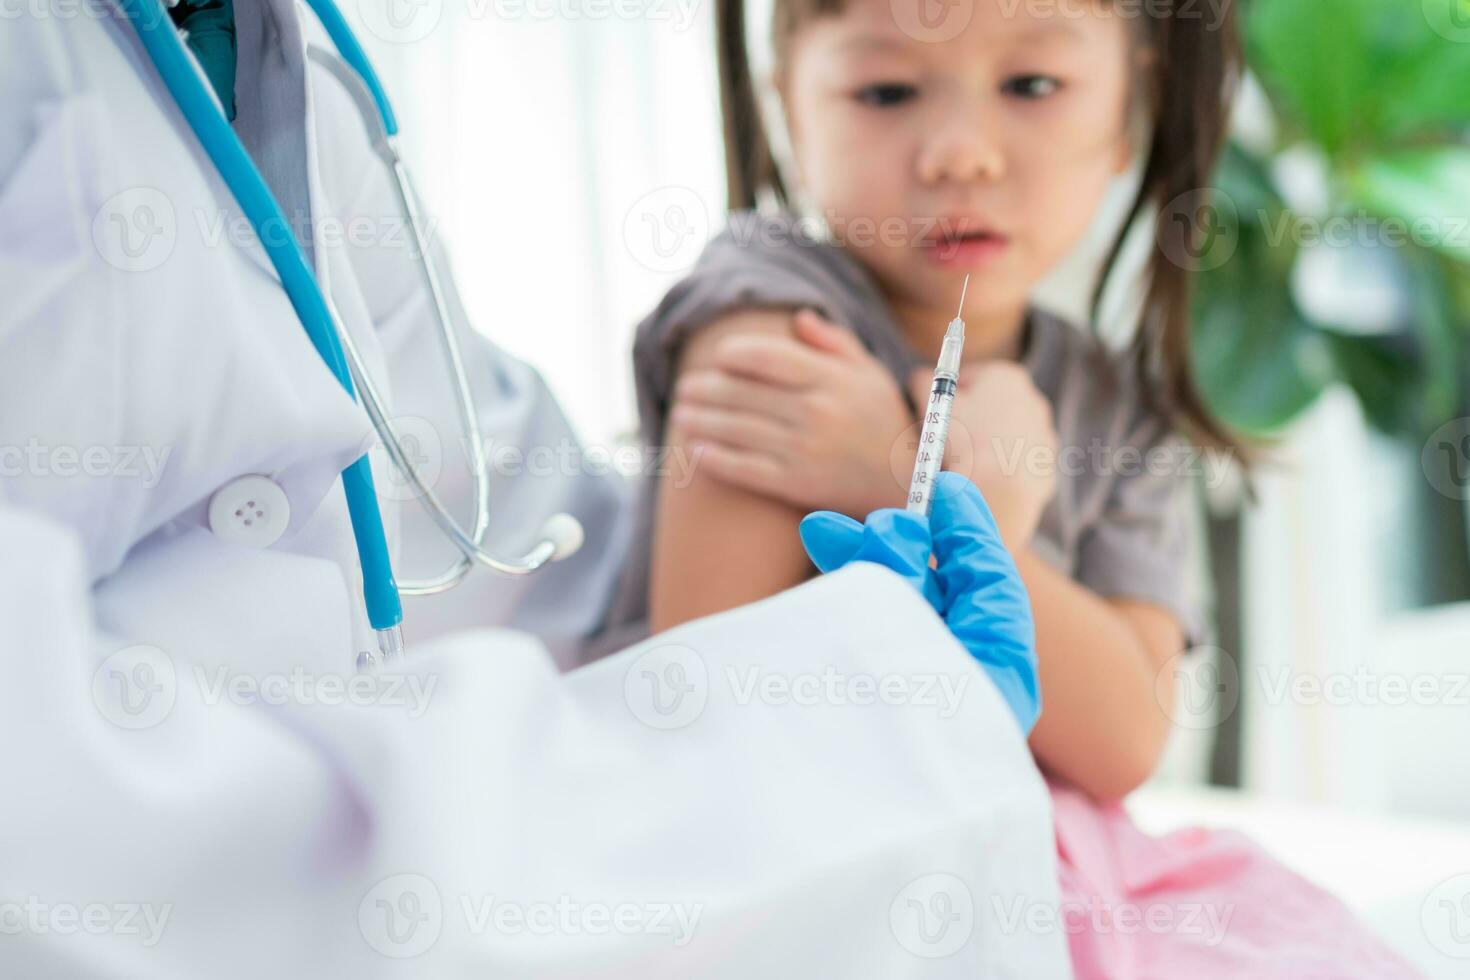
(1197, 904)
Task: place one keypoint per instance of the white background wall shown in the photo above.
(536, 138)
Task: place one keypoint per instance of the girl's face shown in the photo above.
(987, 153)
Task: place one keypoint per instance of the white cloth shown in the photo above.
(190, 796)
(491, 817)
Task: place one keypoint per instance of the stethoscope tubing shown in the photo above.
(334, 344)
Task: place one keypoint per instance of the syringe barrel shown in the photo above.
(949, 356)
(932, 438)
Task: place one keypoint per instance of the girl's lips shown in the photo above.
(966, 251)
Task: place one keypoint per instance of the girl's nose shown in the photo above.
(961, 152)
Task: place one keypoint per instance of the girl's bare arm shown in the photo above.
(1103, 720)
(716, 545)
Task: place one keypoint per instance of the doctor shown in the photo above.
(202, 783)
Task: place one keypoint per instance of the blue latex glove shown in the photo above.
(976, 589)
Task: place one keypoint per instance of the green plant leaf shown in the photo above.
(1318, 61)
(1427, 188)
(1246, 181)
(1382, 375)
(1429, 87)
(1440, 330)
(1258, 360)
(1254, 366)
(1459, 289)
(1350, 74)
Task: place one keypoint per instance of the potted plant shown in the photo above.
(1336, 244)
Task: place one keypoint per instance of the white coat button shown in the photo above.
(252, 510)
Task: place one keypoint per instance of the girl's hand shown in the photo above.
(1001, 437)
(812, 419)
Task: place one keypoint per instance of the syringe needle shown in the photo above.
(963, 289)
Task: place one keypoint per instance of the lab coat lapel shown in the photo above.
(272, 121)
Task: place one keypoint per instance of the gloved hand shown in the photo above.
(976, 589)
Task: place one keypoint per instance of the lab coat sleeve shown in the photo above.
(818, 785)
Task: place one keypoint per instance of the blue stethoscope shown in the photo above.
(561, 535)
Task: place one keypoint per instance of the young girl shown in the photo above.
(982, 153)
(788, 364)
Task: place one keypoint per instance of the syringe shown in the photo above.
(935, 431)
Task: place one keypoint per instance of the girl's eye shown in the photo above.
(1031, 86)
(886, 94)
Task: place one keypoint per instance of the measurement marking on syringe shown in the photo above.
(935, 432)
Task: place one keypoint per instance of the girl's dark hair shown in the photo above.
(1194, 67)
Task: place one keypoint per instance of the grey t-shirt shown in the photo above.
(1123, 521)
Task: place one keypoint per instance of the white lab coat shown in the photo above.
(169, 781)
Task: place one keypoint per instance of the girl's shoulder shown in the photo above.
(764, 261)
(779, 259)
